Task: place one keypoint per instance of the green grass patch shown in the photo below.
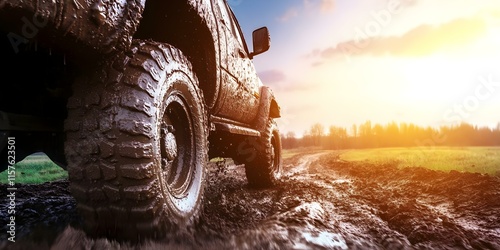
(36, 169)
(485, 160)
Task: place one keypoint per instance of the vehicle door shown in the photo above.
(239, 95)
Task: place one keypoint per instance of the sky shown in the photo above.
(344, 62)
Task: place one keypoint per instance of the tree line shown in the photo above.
(368, 135)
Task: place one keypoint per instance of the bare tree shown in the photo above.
(317, 131)
(289, 140)
(354, 130)
(337, 137)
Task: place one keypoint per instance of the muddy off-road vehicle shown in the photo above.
(135, 97)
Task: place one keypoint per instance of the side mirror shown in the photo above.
(261, 41)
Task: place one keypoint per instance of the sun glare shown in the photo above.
(437, 78)
(448, 75)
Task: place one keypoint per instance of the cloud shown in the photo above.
(421, 41)
(289, 14)
(327, 6)
(323, 6)
(278, 81)
(317, 63)
(272, 76)
(407, 3)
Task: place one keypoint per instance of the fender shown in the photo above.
(268, 108)
(190, 26)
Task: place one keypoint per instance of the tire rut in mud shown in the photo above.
(431, 209)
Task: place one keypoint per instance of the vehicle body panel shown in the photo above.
(100, 26)
(240, 98)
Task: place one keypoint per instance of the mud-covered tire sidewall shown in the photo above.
(188, 205)
(116, 159)
(265, 168)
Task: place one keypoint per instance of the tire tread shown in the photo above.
(116, 199)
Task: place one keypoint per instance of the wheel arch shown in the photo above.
(268, 108)
(191, 27)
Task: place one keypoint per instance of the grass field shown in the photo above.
(36, 169)
(485, 160)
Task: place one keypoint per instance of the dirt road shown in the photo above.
(321, 203)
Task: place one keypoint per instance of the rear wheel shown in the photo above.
(137, 145)
(263, 168)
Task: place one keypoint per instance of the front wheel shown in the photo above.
(137, 145)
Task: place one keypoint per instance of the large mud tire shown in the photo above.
(137, 145)
(264, 169)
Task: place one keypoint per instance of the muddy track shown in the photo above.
(320, 203)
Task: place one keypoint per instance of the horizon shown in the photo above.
(339, 63)
(326, 127)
